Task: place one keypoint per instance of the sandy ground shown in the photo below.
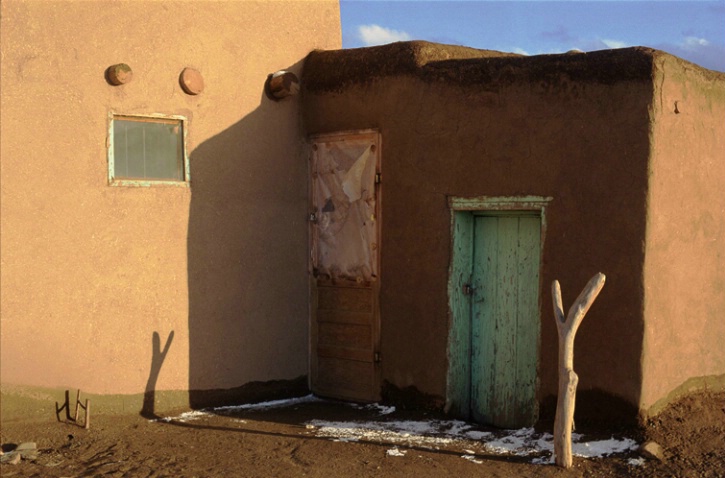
(313, 439)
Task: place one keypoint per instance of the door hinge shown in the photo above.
(377, 178)
(468, 289)
(313, 217)
(377, 357)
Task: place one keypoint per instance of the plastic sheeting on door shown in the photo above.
(345, 237)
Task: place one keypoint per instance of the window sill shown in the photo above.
(146, 183)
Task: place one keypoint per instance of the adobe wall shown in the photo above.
(685, 256)
(572, 127)
(90, 272)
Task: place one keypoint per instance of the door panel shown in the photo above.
(528, 320)
(505, 319)
(344, 379)
(483, 327)
(345, 318)
(344, 337)
(458, 395)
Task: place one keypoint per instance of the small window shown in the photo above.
(147, 150)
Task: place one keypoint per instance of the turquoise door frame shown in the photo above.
(492, 352)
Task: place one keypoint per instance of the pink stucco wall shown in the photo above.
(90, 272)
(685, 250)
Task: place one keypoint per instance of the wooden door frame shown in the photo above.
(458, 387)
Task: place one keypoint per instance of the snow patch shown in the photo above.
(186, 416)
(229, 410)
(601, 448)
(396, 452)
(267, 405)
(435, 433)
(519, 442)
(408, 432)
(381, 409)
(476, 435)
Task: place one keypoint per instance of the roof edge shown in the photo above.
(334, 70)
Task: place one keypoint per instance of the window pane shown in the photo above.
(148, 149)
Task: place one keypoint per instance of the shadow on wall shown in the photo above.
(157, 360)
(247, 262)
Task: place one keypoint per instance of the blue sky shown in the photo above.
(691, 29)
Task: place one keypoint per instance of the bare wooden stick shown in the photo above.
(87, 424)
(67, 404)
(60, 409)
(568, 379)
(78, 402)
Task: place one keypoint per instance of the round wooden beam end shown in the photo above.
(119, 74)
(281, 84)
(191, 81)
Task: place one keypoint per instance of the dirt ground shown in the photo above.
(280, 442)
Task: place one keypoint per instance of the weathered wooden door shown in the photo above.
(494, 298)
(505, 319)
(345, 318)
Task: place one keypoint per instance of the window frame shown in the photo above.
(147, 118)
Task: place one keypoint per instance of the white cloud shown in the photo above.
(614, 43)
(693, 43)
(521, 51)
(372, 35)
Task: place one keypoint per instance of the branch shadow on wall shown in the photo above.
(157, 360)
(247, 259)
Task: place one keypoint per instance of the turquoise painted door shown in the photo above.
(505, 319)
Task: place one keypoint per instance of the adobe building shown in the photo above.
(403, 172)
(494, 175)
(189, 284)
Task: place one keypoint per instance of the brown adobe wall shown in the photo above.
(685, 255)
(91, 272)
(573, 127)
